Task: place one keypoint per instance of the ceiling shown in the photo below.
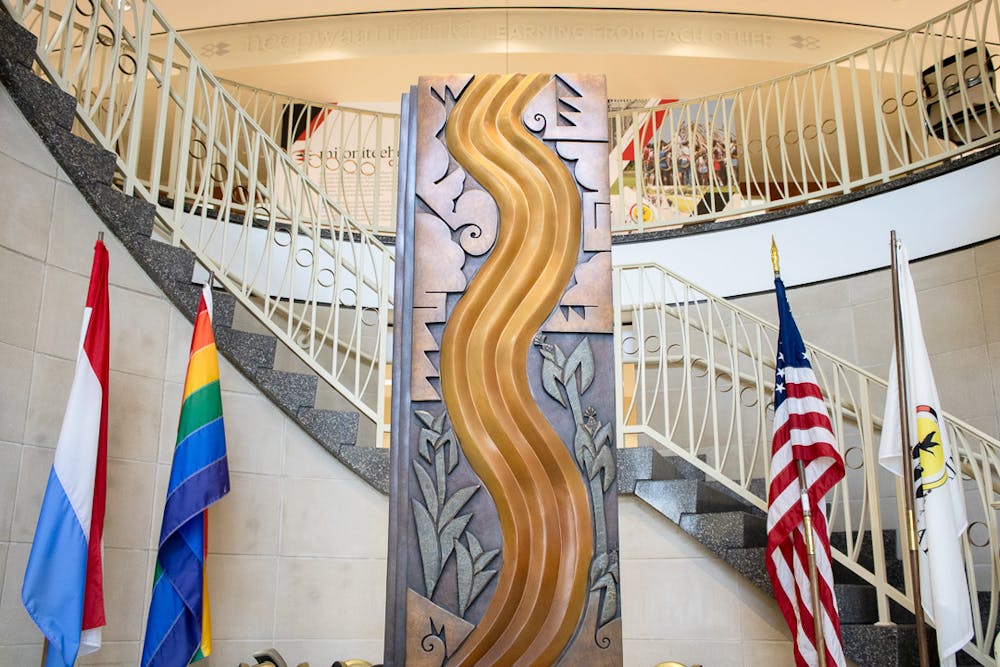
(358, 51)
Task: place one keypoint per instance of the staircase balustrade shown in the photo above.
(223, 186)
(696, 381)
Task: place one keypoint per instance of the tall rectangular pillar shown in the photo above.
(504, 525)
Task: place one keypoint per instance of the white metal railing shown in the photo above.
(696, 376)
(224, 188)
(914, 99)
(351, 153)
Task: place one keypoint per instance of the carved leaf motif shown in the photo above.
(426, 538)
(582, 359)
(603, 435)
(425, 441)
(439, 422)
(440, 475)
(583, 442)
(426, 418)
(588, 464)
(451, 532)
(463, 563)
(479, 583)
(450, 443)
(484, 558)
(551, 379)
(427, 489)
(475, 549)
(598, 567)
(605, 461)
(456, 503)
(609, 605)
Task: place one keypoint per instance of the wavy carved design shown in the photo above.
(541, 498)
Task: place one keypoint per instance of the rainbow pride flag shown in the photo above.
(179, 629)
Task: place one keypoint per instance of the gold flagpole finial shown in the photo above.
(774, 257)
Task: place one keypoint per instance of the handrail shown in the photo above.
(910, 101)
(696, 380)
(862, 119)
(915, 99)
(293, 257)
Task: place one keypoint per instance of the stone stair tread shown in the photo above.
(130, 218)
(642, 463)
(19, 44)
(250, 351)
(40, 102)
(749, 562)
(334, 429)
(871, 645)
(82, 160)
(371, 463)
(856, 603)
(675, 497)
(726, 530)
(223, 303)
(165, 262)
(290, 391)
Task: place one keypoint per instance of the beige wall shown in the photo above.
(298, 547)
(959, 298)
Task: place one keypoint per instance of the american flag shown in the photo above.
(802, 432)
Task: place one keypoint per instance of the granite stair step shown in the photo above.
(642, 463)
(675, 497)
(83, 161)
(41, 102)
(251, 352)
(290, 391)
(856, 603)
(223, 303)
(371, 463)
(19, 44)
(726, 530)
(130, 218)
(749, 562)
(871, 645)
(333, 429)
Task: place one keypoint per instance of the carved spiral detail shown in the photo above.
(542, 502)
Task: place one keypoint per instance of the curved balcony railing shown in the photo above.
(351, 153)
(223, 186)
(696, 376)
(917, 98)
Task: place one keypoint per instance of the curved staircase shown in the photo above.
(711, 512)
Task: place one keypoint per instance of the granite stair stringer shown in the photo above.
(735, 531)
(51, 112)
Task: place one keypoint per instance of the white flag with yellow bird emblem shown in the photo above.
(937, 484)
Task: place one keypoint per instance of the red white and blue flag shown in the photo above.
(63, 588)
(802, 432)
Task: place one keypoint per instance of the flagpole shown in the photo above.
(907, 454)
(817, 607)
(45, 650)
